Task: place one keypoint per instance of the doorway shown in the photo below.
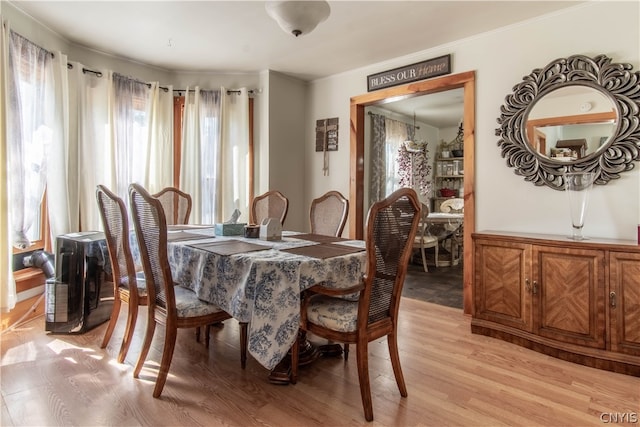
(357, 154)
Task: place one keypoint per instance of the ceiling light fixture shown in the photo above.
(298, 17)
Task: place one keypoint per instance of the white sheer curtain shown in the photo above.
(30, 119)
(62, 198)
(234, 173)
(160, 153)
(8, 295)
(200, 156)
(396, 134)
(130, 126)
(91, 148)
(190, 153)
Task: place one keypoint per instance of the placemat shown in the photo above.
(180, 227)
(179, 236)
(229, 247)
(318, 238)
(323, 250)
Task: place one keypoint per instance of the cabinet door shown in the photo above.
(624, 302)
(569, 295)
(501, 277)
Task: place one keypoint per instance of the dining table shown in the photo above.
(260, 281)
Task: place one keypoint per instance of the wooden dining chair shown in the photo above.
(177, 207)
(170, 305)
(328, 214)
(176, 204)
(272, 204)
(392, 224)
(129, 287)
(424, 239)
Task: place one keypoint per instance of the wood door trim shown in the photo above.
(464, 80)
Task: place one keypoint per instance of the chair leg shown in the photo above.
(346, 352)
(392, 341)
(167, 354)
(132, 316)
(243, 344)
(424, 259)
(207, 336)
(115, 312)
(362, 352)
(148, 337)
(437, 255)
(198, 334)
(295, 355)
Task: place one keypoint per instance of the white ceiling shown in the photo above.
(238, 36)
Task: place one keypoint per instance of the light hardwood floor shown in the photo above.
(453, 378)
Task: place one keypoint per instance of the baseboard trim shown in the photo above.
(24, 311)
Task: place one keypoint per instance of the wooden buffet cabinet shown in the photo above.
(578, 301)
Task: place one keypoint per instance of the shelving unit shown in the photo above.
(448, 173)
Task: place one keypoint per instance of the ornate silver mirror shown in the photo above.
(578, 114)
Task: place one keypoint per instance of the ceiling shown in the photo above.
(239, 36)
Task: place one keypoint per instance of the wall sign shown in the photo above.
(410, 73)
(327, 134)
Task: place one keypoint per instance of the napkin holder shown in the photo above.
(226, 229)
(271, 229)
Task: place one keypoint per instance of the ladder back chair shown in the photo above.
(176, 204)
(272, 204)
(425, 240)
(392, 224)
(170, 305)
(328, 214)
(129, 287)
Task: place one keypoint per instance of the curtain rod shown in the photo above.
(99, 74)
(371, 113)
(229, 91)
(166, 89)
(84, 70)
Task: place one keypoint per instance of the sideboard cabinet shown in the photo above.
(579, 301)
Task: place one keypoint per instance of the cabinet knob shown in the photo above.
(527, 285)
(535, 287)
(612, 299)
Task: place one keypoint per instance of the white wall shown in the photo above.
(504, 201)
(285, 155)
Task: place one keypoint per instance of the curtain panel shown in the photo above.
(377, 159)
(30, 92)
(8, 295)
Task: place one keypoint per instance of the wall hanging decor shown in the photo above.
(326, 139)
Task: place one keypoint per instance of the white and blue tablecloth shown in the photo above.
(262, 287)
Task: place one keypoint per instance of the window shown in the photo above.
(29, 133)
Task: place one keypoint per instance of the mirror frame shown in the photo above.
(616, 81)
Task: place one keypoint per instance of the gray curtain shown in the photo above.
(377, 163)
